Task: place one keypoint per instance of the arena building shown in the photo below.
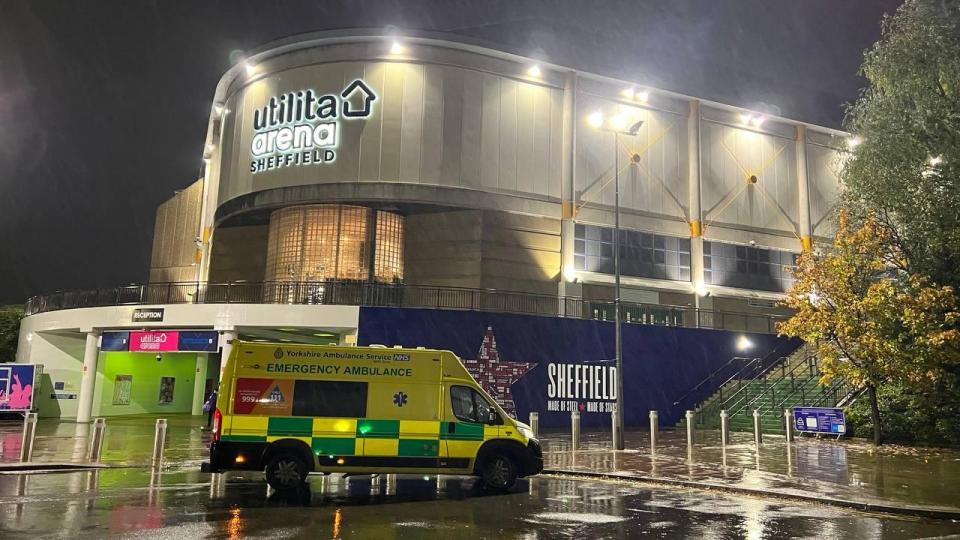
(360, 187)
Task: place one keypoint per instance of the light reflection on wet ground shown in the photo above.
(828, 468)
(132, 503)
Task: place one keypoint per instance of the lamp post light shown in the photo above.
(618, 125)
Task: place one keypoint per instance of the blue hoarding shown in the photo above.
(819, 420)
(554, 365)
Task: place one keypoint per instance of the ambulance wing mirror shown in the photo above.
(492, 417)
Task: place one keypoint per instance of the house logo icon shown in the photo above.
(357, 90)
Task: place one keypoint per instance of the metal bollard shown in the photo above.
(615, 427)
(757, 434)
(535, 423)
(26, 440)
(689, 416)
(654, 427)
(788, 424)
(724, 428)
(96, 442)
(159, 439)
(575, 429)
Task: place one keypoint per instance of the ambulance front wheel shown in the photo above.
(286, 471)
(499, 472)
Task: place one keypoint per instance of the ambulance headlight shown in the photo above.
(526, 432)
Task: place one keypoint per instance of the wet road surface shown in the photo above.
(181, 504)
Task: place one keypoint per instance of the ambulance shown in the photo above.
(290, 410)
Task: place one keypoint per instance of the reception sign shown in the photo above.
(17, 383)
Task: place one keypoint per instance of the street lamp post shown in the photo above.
(618, 126)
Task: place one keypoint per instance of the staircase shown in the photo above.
(793, 382)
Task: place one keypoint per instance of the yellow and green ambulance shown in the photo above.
(290, 410)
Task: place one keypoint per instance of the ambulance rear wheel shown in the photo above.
(499, 472)
(286, 471)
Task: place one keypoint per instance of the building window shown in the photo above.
(642, 254)
(747, 267)
(328, 241)
(388, 264)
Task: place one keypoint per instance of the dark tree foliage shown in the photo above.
(906, 170)
(9, 332)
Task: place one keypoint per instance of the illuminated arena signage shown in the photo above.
(303, 128)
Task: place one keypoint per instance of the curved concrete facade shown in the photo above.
(492, 160)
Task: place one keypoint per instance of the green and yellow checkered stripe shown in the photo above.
(351, 437)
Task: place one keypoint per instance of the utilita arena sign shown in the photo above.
(303, 127)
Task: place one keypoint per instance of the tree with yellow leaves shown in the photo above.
(869, 321)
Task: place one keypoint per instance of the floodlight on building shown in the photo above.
(595, 119)
(701, 289)
(396, 48)
(569, 274)
(534, 71)
(743, 343)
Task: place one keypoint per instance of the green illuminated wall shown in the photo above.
(145, 387)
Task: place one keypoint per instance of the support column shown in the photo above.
(199, 385)
(803, 191)
(693, 175)
(568, 199)
(227, 338)
(88, 377)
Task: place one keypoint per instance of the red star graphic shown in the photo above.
(495, 375)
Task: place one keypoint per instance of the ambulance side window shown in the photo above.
(469, 405)
(462, 401)
(330, 398)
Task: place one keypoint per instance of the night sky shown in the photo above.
(104, 105)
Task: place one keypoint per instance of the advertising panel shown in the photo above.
(166, 341)
(17, 383)
(199, 341)
(121, 389)
(115, 341)
(167, 385)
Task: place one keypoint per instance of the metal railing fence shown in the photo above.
(367, 293)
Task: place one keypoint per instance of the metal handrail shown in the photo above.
(371, 293)
(711, 408)
(772, 385)
(709, 378)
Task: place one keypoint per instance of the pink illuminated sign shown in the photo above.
(154, 341)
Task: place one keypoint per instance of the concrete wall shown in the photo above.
(431, 124)
(174, 237)
(483, 249)
(239, 254)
